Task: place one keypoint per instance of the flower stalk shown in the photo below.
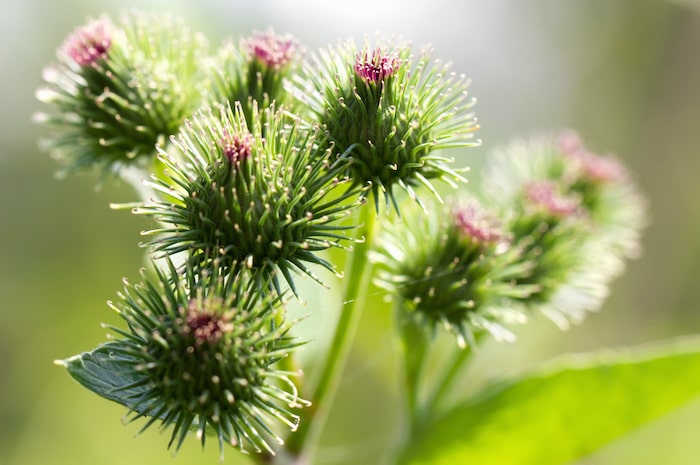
(358, 271)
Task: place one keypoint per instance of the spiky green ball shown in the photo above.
(453, 267)
(200, 354)
(118, 88)
(391, 112)
(266, 198)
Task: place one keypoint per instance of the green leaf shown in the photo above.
(105, 374)
(566, 410)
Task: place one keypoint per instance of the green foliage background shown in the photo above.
(625, 73)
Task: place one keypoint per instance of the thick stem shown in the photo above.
(358, 272)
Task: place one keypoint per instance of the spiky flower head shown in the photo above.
(118, 88)
(575, 215)
(268, 203)
(391, 112)
(200, 353)
(453, 267)
(253, 70)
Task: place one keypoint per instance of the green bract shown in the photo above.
(266, 203)
(120, 88)
(391, 112)
(200, 353)
(453, 267)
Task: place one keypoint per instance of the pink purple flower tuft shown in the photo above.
(477, 224)
(596, 168)
(238, 148)
(377, 65)
(206, 325)
(569, 142)
(544, 194)
(89, 43)
(275, 51)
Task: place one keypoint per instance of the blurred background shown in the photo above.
(625, 73)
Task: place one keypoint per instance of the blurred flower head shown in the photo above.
(543, 194)
(271, 49)
(119, 88)
(252, 71)
(575, 214)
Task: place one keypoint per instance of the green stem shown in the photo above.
(447, 380)
(304, 441)
(415, 344)
(420, 414)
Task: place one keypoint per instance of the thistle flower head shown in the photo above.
(587, 164)
(598, 168)
(390, 112)
(119, 88)
(89, 43)
(266, 203)
(453, 268)
(199, 354)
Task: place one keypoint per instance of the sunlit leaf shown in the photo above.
(566, 410)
